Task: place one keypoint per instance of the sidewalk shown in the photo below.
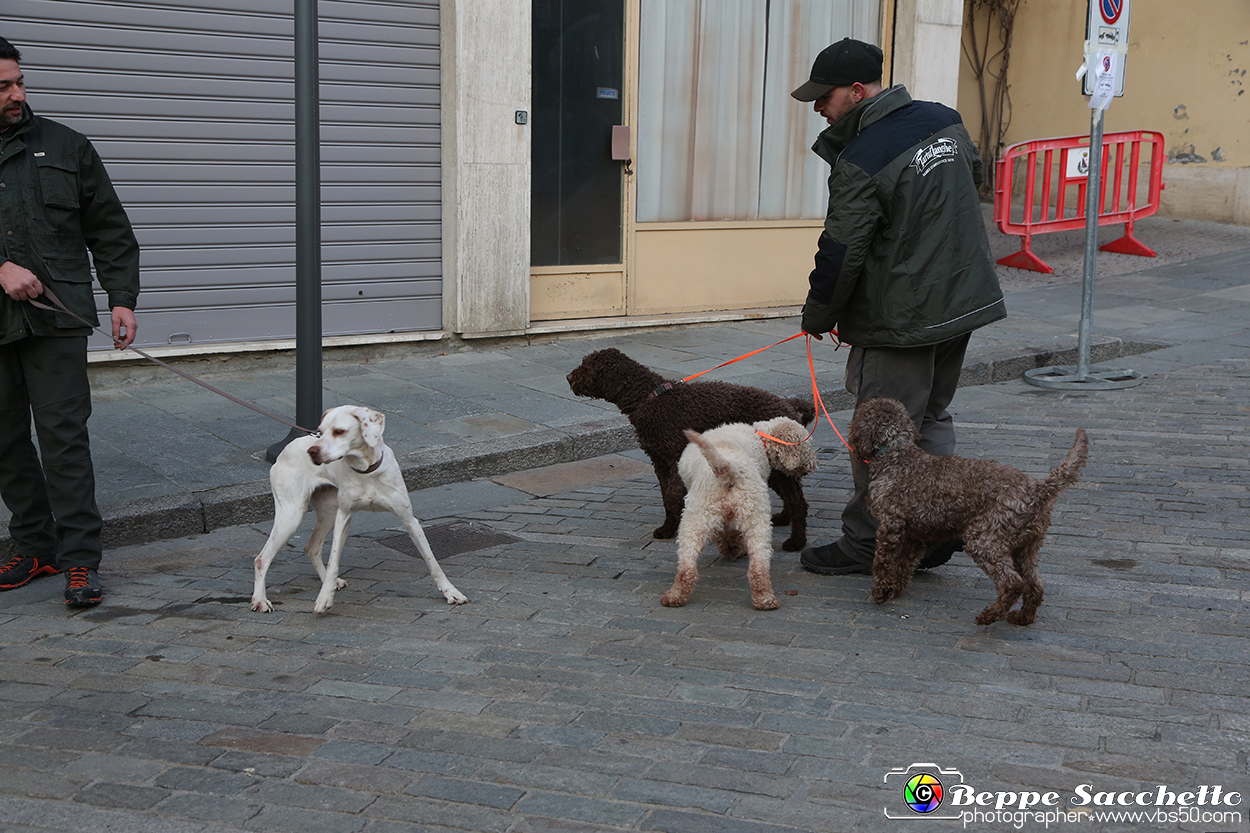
(564, 698)
(173, 459)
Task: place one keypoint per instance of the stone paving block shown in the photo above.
(105, 794)
(306, 821)
(562, 806)
(466, 792)
(436, 815)
(682, 821)
(365, 778)
(274, 793)
(205, 782)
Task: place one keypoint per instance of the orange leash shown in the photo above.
(816, 399)
(745, 356)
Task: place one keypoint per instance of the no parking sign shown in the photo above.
(1106, 46)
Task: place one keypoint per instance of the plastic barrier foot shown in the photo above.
(1025, 259)
(1128, 245)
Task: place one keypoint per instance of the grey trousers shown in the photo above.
(924, 380)
(51, 495)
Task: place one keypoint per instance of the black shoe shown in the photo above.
(82, 587)
(21, 569)
(939, 553)
(830, 560)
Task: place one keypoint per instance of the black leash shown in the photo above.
(60, 307)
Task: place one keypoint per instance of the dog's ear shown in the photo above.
(794, 454)
(371, 425)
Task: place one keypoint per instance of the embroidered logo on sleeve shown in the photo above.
(938, 153)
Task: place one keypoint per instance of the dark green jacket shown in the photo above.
(904, 260)
(56, 203)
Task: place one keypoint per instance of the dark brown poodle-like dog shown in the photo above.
(660, 410)
(918, 498)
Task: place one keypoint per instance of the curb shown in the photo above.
(194, 513)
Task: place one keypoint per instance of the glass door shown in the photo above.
(578, 185)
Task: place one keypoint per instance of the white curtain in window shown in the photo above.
(719, 137)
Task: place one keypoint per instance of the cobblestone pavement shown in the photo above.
(564, 697)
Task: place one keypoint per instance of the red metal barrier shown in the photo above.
(1038, 216)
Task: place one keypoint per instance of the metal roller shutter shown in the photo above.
(192, 108)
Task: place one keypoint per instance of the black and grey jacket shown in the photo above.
(56, 204)
(904, 260)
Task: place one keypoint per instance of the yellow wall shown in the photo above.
(700, 266)
(1186, 76)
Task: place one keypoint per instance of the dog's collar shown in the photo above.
(881, 449)
(369, 470)
(662, 389)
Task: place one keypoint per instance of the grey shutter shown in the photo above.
(191, 107)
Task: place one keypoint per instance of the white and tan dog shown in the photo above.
(727, 499)
(346, 469)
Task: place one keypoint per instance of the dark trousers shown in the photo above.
(924, 380)
(51, 495)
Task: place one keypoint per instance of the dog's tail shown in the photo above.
(1069, 470)
(721, 467)
(804, 407)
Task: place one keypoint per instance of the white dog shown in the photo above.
(346, 469)
(726, 475)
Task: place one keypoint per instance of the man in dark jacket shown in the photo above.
(903, 271)
(56, 204)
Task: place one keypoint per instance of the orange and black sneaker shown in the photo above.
(21, 569)
(82, 587)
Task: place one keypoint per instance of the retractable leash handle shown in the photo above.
(60, 307)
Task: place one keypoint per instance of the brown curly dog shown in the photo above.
(661, 409)
(917, 498)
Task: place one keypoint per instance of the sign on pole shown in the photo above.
(1106, 46)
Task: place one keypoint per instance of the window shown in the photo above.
(719, 137)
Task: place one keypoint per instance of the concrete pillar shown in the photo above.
(926, 48)
(485, 48)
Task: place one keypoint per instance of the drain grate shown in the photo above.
(450, 539)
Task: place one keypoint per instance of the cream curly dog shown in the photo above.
(917, 498)
(725, 472)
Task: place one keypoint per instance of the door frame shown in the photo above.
(599, 290)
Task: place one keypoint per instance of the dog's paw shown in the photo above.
(782, 518)
(1019, 617)
(323, 605)
(795, 543)
(455, 597)
(673, 599)
(768, 602)
(339, 584)
(989, 616)
(663, 533)
(882, 593)
(262, 605)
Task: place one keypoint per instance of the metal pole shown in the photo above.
(1082, 375)
(1093, 206)
(307, 226)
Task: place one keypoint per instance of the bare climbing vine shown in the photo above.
(988, 29)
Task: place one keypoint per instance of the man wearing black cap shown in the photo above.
(56, 204)
(903, 269)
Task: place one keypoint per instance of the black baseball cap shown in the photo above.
(840, 64)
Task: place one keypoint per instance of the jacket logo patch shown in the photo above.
(938, 153)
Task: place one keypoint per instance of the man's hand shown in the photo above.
(124, 327)
(19, 283)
